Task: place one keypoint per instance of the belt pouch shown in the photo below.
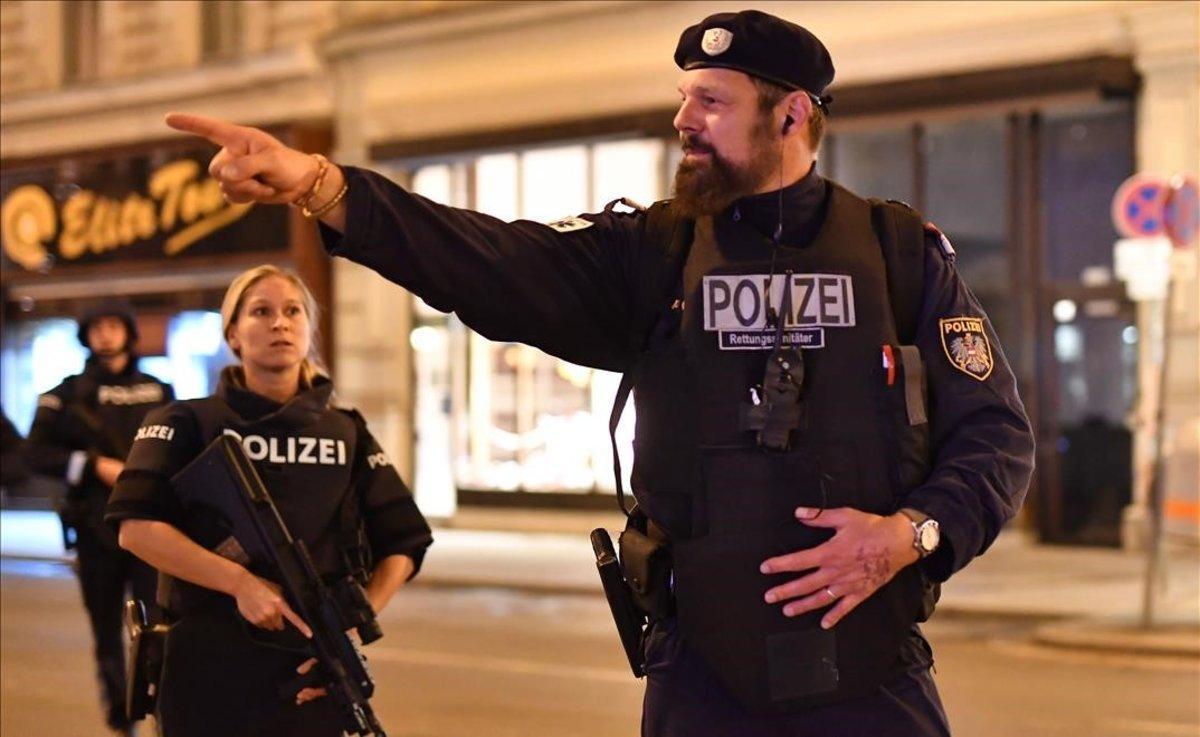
(646, 564)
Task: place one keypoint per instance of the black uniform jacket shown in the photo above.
(569, 288)
(13, 470)
(171, 437)
(92, 414)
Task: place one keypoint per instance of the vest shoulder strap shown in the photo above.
(351, 533)
(901, 234)
(669, 239)
(207, 414)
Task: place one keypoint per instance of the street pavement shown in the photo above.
(504, 662)
(1086, 597)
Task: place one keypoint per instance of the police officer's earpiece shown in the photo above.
(787, 123)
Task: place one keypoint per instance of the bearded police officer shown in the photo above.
(81, 433)
(826, 425)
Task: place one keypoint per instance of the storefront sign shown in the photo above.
(125, 210)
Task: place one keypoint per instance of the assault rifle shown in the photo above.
(224, 480)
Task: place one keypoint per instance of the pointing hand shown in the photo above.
(252, 165)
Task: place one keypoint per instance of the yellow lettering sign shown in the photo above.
(166, 186)
(91, 223)
(76, 214)
(27, 222)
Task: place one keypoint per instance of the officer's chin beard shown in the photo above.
(708, 187)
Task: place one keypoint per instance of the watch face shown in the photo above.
(929, 537)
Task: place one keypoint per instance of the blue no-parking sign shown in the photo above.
(1138, 206)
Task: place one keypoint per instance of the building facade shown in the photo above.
(1010, 124)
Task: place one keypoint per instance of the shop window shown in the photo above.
(966, 194)
(1090, 388)
(632, 169)
(554, 183)
(435, 339)
(496, 190)
(196, 353)
(38, 355)
(875, 163)
(511, 417)
(1086, 155)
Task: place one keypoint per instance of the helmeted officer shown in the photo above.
(826, 425)
(81, 433)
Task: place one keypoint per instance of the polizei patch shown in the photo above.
(293, 449)
(966, 344)
(735, 307)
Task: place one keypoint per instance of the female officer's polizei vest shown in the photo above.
(305, 454)
(727, 504)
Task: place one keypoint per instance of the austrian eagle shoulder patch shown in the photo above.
(966, 345)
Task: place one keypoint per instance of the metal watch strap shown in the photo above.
(917, 519)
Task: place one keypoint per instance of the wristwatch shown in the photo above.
(926, 533)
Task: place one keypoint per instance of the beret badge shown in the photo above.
(716, 41)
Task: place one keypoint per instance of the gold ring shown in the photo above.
(832, 596)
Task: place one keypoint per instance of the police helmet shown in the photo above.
(113, 307)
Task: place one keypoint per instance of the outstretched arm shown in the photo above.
(254, 166)
(565, 288)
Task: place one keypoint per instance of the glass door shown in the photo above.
(1087, 328)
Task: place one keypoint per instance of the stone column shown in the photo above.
(372, 316)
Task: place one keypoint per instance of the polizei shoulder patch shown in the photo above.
(966, 345)
(569, 224)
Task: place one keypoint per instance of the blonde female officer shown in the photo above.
(236, 642)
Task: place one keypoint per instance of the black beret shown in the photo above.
(760, 45)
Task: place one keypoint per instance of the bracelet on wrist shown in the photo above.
(306, 199)
(313, 214)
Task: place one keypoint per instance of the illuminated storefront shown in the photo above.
(146, 224)
(503, 417)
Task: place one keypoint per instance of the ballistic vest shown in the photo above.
(306, 453)
(729, 505)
